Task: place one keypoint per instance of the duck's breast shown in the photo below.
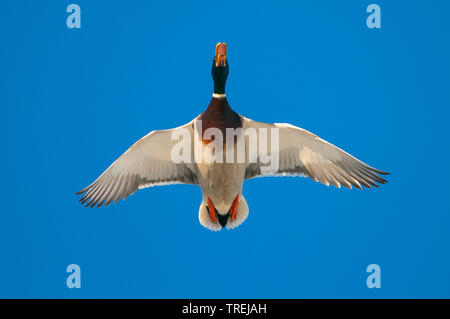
(220, 178)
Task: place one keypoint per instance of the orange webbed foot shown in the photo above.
(212, 211)
(234, 208)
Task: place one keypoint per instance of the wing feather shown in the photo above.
(302, 153)
(146, 163)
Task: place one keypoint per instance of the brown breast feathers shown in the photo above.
(219, 115)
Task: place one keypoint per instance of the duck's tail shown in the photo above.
(221, 221)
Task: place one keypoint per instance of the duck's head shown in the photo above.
(220, 68)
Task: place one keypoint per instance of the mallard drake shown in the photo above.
(150, 161)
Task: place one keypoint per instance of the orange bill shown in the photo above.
(221, 54)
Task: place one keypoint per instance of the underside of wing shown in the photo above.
(302, 153)
(147, 163)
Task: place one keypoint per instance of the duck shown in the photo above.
(154, 160)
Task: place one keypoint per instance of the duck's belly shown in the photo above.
(221, 182)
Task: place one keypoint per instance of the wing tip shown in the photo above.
(378, 171)
(82, 191)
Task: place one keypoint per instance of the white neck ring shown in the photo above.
(219, 96)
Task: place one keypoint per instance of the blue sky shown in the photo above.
(73, 100)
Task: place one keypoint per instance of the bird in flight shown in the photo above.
(292, 151)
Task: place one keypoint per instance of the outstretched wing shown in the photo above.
(305, 154)
(147, 163)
